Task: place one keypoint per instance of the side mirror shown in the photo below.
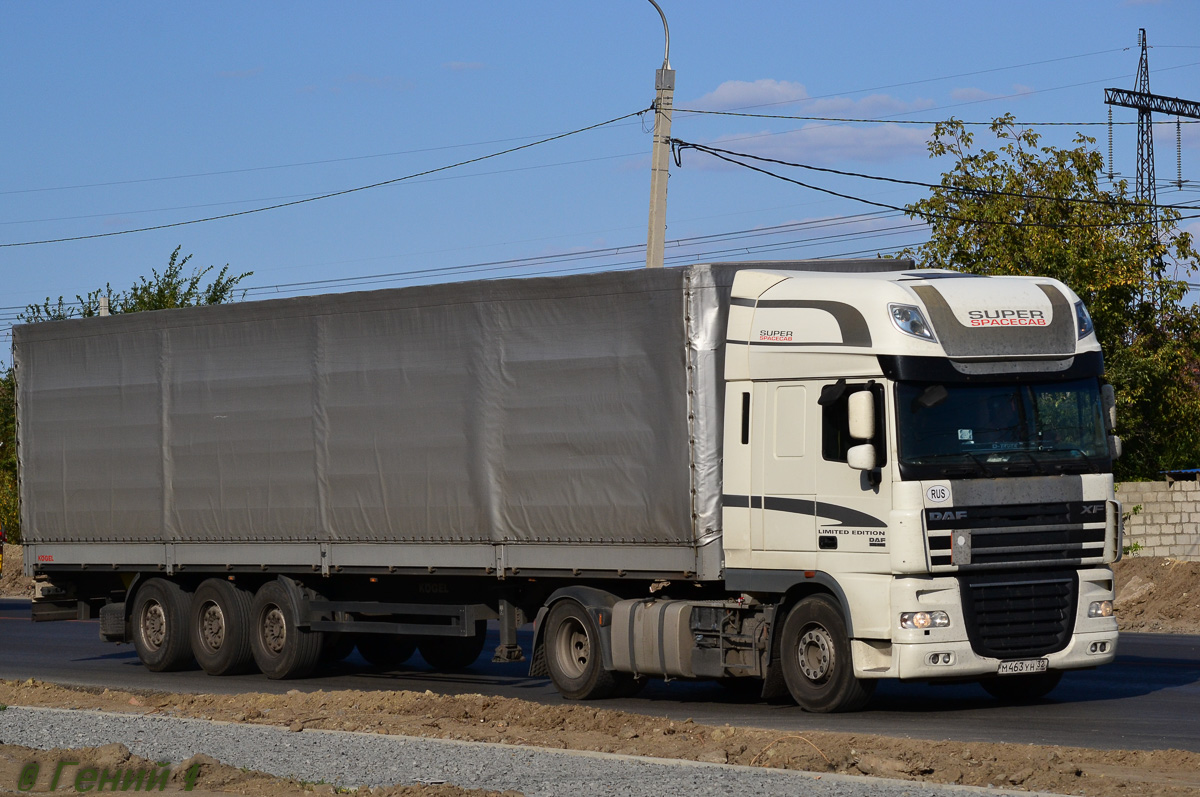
(861, 412)
(1108, 397)
(1114, 446)
(861, 457)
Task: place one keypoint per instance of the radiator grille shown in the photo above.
(1011, 617)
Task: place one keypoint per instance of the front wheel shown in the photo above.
(573, 654)
(814, 650)
(1022, 688)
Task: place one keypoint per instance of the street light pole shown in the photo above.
(660, 158)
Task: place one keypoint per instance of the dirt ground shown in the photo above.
(212, 777)
(1158, 773)
(12, 583)
(1157, 594)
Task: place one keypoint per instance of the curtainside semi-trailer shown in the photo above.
(816, 474)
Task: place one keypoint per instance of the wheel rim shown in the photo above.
(573, 648)
(154, 625)
(274, 629)
(212, 626)
(815, 654)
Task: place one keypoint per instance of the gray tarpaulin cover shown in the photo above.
(539, 410)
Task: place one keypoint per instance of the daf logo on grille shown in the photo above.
(949, 514)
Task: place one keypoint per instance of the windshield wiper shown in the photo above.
(1091, 463)
(979, 463)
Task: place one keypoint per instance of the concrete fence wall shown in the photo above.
(1168, 523)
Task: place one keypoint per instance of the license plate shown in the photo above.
(1022, 666)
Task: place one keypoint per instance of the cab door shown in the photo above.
(853, 506)
(783, 528)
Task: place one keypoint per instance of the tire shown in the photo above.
(453, 653)
(386, 651)
(159, 622)
(281, 650)
(1022, 688)
(573, 655)
(814, 650)
(220, 628)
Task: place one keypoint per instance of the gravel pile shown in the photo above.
(352, 759)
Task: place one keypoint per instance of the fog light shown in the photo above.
(1098, 647)
(924, 620)
(940, 658)
(1100, 609)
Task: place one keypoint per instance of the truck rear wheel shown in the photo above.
(220, 628)
(1022, 688)
(281, 650)
(386, 651)
(450, 653)
(814, 650)
(160, 626)
(573, 654)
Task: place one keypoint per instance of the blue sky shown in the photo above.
(127, 115)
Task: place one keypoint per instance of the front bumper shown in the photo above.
(947, 653)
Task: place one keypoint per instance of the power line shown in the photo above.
(377, 155)
(889, 121)
(924, 214)
(936, 79)
(290, 196)
(682, 145)
(332, 193)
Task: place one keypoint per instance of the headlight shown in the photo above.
(1100, 609)
(923, 620)
(1085, 320)
(911, 321)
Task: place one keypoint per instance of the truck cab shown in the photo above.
(933, 451)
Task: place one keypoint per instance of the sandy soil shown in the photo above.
(12, 583)
(212, 777)
(1159, 773)
(1157, 594)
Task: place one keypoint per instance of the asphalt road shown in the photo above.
(1148, 699)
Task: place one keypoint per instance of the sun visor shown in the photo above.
(999, 317)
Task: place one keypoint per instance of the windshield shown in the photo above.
(961, 430)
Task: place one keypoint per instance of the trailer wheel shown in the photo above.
(281, 650)
(814, 649)
(220, 628)
(386, 651)
(573, 654)
(451, 653)
(1022, 688)
(160, 626)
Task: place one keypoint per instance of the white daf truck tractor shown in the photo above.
(814, 474)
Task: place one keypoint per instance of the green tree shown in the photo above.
(1041, 210)
(172, 288)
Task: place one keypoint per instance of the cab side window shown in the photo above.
(835, 421)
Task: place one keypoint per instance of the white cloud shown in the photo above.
(741, 93)
(738, 94)
(974, 94)
(822, 145)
